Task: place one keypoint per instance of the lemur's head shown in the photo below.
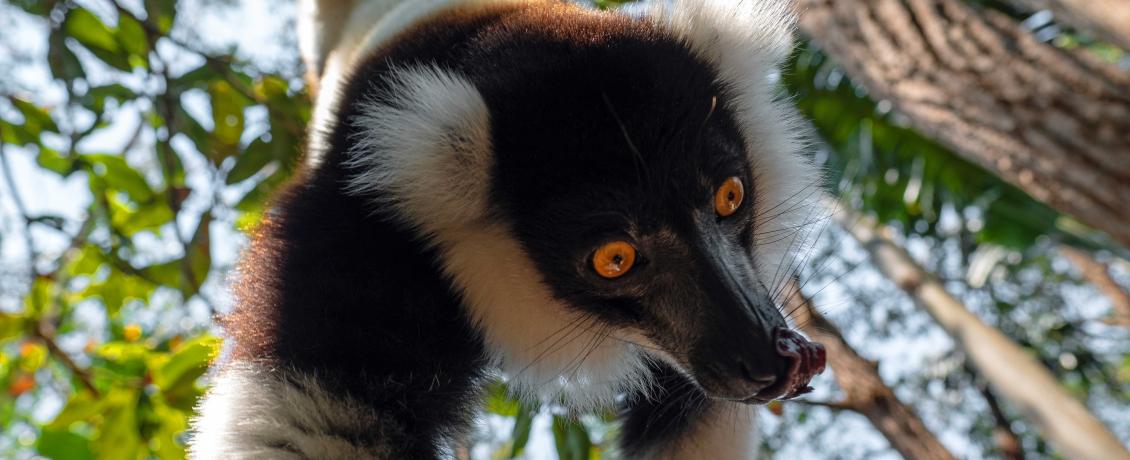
(608, 188)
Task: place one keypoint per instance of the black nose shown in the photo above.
(780, 369)
(805, 360)
(759, 380)
(755, 378)
(743, 376)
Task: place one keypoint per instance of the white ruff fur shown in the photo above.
(746, 40)
(250, 414)
(726, 433)
(434, 134)
(335, 41)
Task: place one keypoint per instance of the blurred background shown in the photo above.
(969, 273)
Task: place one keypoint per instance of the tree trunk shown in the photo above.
(1013, 373)
(1106, 20)
(1054, 123)
(1098, 274)
(864, 391)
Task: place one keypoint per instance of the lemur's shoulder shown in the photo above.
(254, 411)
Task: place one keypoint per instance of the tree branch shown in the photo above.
(1014, 373)
(46, 334)
(1050, 121)
(1106, 20)
(1006, 440)
(21, 208)
(864, 390)
(1098, 274)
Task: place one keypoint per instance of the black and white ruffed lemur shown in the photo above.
(597, 206)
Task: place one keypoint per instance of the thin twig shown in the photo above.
(45, 333)
(32, 255)
(833, 405)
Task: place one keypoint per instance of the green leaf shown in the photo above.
(165, 273)
(501, 403)
(35, 7)
(571, 438)
(197, 78)
(120, 176)
(254, 158)
(520, 436)
(63, 445)
(96, 37)
(188, 362)
(162, 13)
(17, 134)
(227, 114)
(132, 219)
(36, 119)
(81, 407)
(12, 325)
(39, 298)
(117, 290)
(87, 262)
(51, 160)
(131, 36)
(95, 98)
(120, 436)
(63, 62)
(89, 30)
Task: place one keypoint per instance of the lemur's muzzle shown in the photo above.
(746, 352)
(806, 360)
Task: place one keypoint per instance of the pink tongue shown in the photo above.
(807, 360)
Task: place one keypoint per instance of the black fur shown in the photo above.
(602, 127)
(663, 416)
(360, 304)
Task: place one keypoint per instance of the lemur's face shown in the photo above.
(634, 193)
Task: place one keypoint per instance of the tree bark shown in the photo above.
(1054, 123)
(1106, 20)
(1098, 274)
(864, 391)
(1007, 442)
(1014, 374)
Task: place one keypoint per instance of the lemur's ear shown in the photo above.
(740, 37)
(424, 148)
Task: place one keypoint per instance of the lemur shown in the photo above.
(598, 207)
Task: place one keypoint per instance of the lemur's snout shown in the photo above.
(805, 360)
(781, 371)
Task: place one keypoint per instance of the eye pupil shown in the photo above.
(729, 197)
(614, 259)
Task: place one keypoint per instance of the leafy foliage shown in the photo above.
(143, 245)
(104, 351)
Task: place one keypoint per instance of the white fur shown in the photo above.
(249, 412)
(335, 35)
(728, 431)
(746, 40)
(429, 145)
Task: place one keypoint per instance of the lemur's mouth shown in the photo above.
(806, 360)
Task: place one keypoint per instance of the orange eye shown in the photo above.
(614, 259)
(729, 196)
